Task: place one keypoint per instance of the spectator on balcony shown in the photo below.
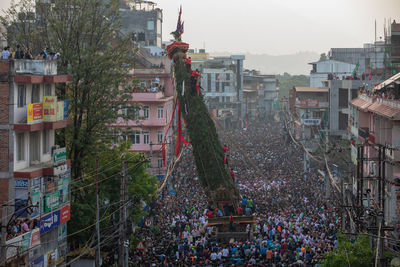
(28, 54)
(6, 53)
(25, 227)
(40, 56)
(19, 54)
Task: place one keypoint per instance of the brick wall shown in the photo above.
(4, 102)
(4, 151)
(3, 192)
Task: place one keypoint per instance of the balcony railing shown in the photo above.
(35, 67)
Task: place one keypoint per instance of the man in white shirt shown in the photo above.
(5, 54)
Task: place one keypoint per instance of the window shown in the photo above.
(34, 147)
(160, 112)
(217, 86)
(159, 137)
(46, 141)
(47, 89)
(20, 147)
(132, 113)
(146, 138)
(35, 97)
(135, 138)
(228, 99)
(21, 95)
(146, 112)
(159, 162)
(209, 82)
(150, 25)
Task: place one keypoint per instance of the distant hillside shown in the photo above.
(294, 64)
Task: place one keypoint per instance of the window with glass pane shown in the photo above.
(135, 137)
(146, 112)
(20, 147)
(160, 112)
(133, 113)
(146, 137)
(46, 141)
(21, 95)
(159, 162)
(160, 137)
(35, 97)
(47, 89)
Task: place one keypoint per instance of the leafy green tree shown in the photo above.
(323, 57)
(352, 254)
(287, 81)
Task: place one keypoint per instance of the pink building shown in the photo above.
(375, 122)
(154, 95)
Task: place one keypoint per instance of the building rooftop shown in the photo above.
(311, 89)
(394, 78)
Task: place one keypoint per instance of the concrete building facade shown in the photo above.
(322, 69)
(34, 171)
(146, 123)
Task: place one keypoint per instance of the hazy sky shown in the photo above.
(276, 27)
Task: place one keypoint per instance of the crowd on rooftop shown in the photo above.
(20, 53)
(295, 225)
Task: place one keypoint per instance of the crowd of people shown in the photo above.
(21, 226)
(19, 53)
(295, 224)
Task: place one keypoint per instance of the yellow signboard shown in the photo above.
(50, 108)
(60, 110)
(35, 113)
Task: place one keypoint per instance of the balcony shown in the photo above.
(35, 67)
(153, 72)
(49, 115)
(42, 169)
(150, 97)
(363, 132)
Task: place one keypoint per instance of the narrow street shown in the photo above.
(294, 222)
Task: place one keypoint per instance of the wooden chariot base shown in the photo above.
(225, 231)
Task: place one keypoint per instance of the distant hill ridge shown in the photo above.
(293, 64)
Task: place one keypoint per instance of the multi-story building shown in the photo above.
(309, 107)
(143, 20)
(34, 171)
(222, 81)
(375, 122)
(152, 101)
(329, 69)
(370, 57)
(341, 92)
(260, 92)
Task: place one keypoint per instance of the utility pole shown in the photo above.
(122, 223)
(98, 256)
(3, 235)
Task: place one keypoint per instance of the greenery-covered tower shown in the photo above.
(206, 147)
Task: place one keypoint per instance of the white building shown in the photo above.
(322, 69)
(219, 87)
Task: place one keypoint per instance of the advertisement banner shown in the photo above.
(35, 113)
(65, 214)
(49, 108)
(25, 241)
(38, 262)
(35, 195)
(51, 201)
(49, 222)
(59, 155)
(21, 183)
(60, 110)
(66, 106)
(311, 121)
(12, 246)
(35, 238)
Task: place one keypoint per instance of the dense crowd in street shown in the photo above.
(295, 224)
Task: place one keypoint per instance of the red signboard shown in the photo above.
(309, 103)
(35, 238)
(65, 214)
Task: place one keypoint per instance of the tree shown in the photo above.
(323, 57)
(348, 253)
(287, 81)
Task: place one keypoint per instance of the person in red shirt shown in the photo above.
(226, 159)
(189, 63)
(225, 149)
(210, 214)
(233, 175)
(239, 210)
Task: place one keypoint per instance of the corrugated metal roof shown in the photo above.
(312, 89)
(390, 112)
(388, 81)
(360, 103)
